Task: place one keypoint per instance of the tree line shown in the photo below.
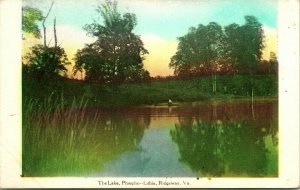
(117, 54)
(212, 49)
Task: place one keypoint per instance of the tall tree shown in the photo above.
(117, 54)
(30, 18)
(215, 37)
(233, 46)
(200, 52)
(43, 62)
(245, 44)
(254, 41)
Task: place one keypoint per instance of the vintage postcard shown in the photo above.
(149, 93)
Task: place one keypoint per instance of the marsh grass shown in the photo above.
(66, 142)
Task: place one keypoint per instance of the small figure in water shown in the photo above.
(170, 102)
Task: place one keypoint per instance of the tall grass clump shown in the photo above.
(66, 141)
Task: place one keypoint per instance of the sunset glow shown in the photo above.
(158, 25)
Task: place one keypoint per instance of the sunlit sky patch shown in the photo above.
(160, 22)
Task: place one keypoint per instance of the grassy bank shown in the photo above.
(73, 142)
(118, 95)
(54, 142)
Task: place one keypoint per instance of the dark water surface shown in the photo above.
(217, 139)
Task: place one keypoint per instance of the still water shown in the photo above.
(217, 139)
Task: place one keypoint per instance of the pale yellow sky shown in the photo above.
(271, 42)
(160, 50)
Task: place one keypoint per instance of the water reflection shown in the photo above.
(205, 139)
(212, 139)
(157, 157)
(218, 143)
(119, 130)
(117, 133)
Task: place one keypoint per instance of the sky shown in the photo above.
(160, 22)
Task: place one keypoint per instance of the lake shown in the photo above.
(209, 139)
(215, 139)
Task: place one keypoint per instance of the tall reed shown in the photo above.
(61, 141)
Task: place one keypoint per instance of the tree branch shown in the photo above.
(44, 27)
(54, 30)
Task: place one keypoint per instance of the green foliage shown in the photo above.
(30, 18)
(112, 95)
(241, 85)
(117, 54)
(46, 62)
(220, 148)
(212, 49)
(199, 51)
(245, 44)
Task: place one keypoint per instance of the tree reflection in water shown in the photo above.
(117, 131)
(219, 146)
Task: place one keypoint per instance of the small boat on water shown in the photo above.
(170, 103)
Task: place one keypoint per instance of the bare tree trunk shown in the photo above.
(214, 109)
(215, 83)
(252, 104)
(54, 30)
(252, 96)
(44, 34)
(44, 27)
